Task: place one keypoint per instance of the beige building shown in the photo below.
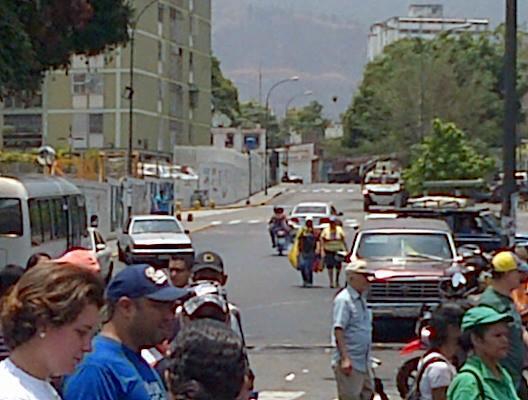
(88, 106)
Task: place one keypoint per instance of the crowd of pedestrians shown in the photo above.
(473, 354)
(65, 334)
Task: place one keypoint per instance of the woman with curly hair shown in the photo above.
(207, 362)
(48, 320)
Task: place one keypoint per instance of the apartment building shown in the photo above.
(424, 21)
(88, 105)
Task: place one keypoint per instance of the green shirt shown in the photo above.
(514, 362)
(465, 387)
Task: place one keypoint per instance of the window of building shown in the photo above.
(95, 123)
(22, 130)
(229, 141)
(160, 13)
(87, 83)
(160, 51)
(23, 99)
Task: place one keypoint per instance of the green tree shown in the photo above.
(41, 35)
(225, 93)
(252, 114)
(445, 154)
(455, 78)
(307, 121)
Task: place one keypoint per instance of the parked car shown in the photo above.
(153, 239)
(319, 212)
(412, 259)
(470, 226)
(102, 251)
(292, 179)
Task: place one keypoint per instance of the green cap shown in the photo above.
(483, 315)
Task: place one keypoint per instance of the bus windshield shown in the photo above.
(10, 217)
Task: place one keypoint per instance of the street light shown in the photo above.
(130, 88)
(306, 93)
(291, 79)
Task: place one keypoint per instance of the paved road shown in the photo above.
(288, 326)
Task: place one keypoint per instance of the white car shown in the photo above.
(102, 251)
(154, 239)
(383, 190)
(320, 214)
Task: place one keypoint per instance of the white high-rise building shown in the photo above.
(424, 21)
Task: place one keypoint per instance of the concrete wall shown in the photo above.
(223, 172)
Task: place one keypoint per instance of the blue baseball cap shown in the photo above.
(143, 280)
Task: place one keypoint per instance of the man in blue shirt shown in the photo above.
(140, 314)
(352, 336)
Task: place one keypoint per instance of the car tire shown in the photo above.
(128, 257)
(120, 255)
(110, 272)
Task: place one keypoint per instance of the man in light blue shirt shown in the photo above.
(352, 336)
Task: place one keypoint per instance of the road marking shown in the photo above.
(274, 395)
(234, 222)
(351, 221)
(304, 191)
(216, 223)
(254, 221)
(350, 190)
(316, 190)
(292, 190)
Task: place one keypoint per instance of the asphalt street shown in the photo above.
(287, 326)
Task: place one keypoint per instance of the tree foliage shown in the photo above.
(307, 121)
(41, 35)
(225, 93)
(414, 81)
(445, 154)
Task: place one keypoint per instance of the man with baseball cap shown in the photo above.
(506, 277)
(140, 314)
(352, 335)
(209, 266)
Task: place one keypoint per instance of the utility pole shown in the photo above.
(510, 119)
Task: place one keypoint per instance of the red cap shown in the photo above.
(81, 258)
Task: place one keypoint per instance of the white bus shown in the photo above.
(39, 213)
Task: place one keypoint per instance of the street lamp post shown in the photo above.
(291, 99)
(510, 118)
(130, 88)
(291, 79)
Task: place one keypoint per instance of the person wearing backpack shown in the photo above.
(485, 334)
(436, 369)
(308, 251)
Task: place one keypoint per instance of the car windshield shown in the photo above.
(404, 245)
(310, 210)
(11, 217)
(156, 226)
(374, 179)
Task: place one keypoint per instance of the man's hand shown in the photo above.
(346, 366)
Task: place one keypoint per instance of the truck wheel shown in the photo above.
(120, 255)
(128, 257)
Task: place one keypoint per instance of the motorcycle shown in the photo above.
(379, 390)
(281, 241)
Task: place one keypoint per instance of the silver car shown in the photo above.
(102, 251)
(154, 239)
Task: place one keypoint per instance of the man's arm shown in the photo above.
(344, 362)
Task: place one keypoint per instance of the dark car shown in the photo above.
(470, 226)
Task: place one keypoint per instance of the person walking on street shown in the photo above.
(332, 240)
(506, 277)
(485, 334)
(308, 246)
(352, 336)
(140, 314)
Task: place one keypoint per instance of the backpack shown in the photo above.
(414, 392)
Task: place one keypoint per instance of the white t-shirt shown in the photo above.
(19, 385)
(436, 375)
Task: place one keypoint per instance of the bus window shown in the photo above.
(59, 222)
(35, 222)
(45, 214)
(11, 217)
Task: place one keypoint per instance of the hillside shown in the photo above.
(322, 42)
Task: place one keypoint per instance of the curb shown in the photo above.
(236, 206)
